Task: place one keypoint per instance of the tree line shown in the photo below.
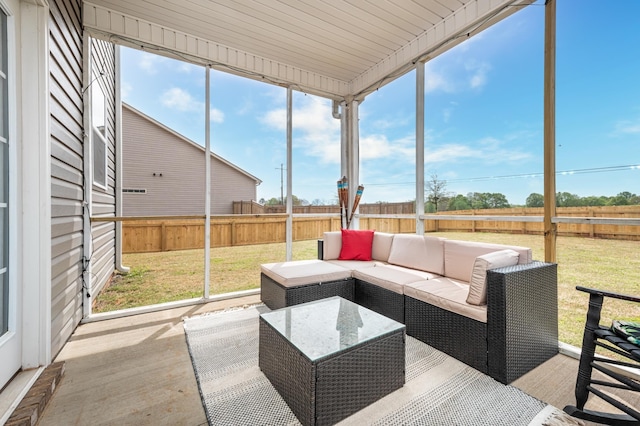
(438, 199)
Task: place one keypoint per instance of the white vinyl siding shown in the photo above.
(66, 106)
(103, 199)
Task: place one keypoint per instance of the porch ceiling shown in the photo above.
(333, 48)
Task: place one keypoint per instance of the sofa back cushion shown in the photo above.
(418, 252)
(331, 245)
(459, 256)
(381, 246)
(478, 286)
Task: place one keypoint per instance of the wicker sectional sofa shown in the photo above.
(488, 305)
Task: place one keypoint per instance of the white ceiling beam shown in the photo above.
(126, 30)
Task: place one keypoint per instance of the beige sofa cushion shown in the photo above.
(478, 285)
(356, 264)
(391, 277)
(381, 246)
(418, 252)
(447, 294)
(331, 245)
(459, 256)
(301, 272)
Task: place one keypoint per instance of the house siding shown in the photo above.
(68, 179)
(66, 126)
(150, 148)
(103, 201)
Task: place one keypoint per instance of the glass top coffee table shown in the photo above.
(330, 358)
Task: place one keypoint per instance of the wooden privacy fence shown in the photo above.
(591, 230)
(165, 234)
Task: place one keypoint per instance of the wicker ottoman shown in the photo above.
(330, 358)
(290, 283)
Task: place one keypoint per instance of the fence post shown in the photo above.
(233, 233)
(163, 236)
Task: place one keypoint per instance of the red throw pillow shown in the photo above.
(356, 245)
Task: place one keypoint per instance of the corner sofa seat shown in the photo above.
(290, 283)
(488, 305)
(448, 294)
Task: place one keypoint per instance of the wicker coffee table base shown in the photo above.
(332, 388)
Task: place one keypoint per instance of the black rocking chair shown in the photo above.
(598, 335)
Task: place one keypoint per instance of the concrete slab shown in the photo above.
(134, 370)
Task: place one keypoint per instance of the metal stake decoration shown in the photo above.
(343, 201)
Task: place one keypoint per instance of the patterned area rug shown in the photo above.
(439, 389)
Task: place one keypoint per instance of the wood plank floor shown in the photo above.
(137, 371)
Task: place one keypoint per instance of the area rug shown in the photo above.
(439, 390)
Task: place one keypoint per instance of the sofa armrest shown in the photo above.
(320, 249)
(522, 318)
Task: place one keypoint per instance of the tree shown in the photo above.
(488, 200)
(535, 200)
(497, 200)
(566, 199)
(623, 199)
(435, 190)
(273, 201)
(459, 202)
(478, 200)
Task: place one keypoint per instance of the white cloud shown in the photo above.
(447, 76)
(216, 116)
(486, 149)
(627, 127)
(477, 74)
(181, 100)
(316, 131)
(149, 62)
(436, 81)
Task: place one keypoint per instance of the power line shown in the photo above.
(527, 175)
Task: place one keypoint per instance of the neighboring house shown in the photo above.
(163, 172)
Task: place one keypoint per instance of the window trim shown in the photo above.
(99, 135)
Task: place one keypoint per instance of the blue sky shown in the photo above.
(483, 120)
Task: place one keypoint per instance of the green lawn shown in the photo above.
(162, 277)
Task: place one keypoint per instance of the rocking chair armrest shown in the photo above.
(609, 294)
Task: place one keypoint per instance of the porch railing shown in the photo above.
(166, 233)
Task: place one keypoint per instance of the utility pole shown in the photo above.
(282, 169)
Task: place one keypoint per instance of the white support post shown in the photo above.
(353, 160)
(289, 224)
(344, 140)
(118, 162)
(419, 147)
(207, 184)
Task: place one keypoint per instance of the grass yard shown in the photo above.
(162, 277)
